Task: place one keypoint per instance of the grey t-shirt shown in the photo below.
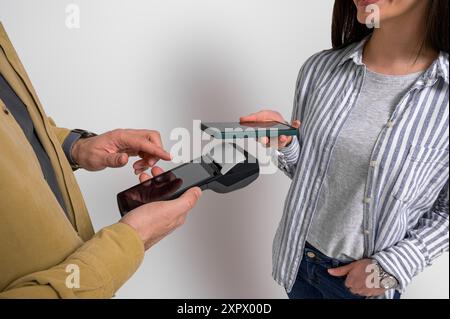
(337, 226)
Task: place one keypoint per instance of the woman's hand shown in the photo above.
(356, 278)
(268, 116)
(114, 148)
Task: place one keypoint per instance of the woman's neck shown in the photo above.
(399, 48)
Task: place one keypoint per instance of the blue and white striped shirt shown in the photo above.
(406, 205)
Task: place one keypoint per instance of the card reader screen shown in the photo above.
(168, 185)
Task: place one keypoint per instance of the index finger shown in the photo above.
(141, 144)
(248, 118)
(261, 116)
(152, 136)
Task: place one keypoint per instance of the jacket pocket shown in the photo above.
(423, 168)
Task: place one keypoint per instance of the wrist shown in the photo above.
(140, 231)
(386, 280)
(289, 145)
(289, 142)
(77, 150)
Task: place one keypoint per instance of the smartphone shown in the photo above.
(167, 186)
(248, 130)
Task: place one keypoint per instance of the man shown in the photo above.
(45, 230)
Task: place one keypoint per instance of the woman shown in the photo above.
(368, 206)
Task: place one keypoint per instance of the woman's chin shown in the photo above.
(363, 17)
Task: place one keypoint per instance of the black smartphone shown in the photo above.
(248, 130)
(167, 186)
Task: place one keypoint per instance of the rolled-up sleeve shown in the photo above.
(288, 157)
(422, 245)
(68, 144)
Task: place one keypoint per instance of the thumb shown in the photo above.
(116, 160)
(185, 202)
(340, 271)
(296, 124)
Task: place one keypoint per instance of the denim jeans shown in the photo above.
(314, 282)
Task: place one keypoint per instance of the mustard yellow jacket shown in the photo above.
(40, 247)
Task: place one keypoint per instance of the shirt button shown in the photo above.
(373, 164)
(367, 200)
(366, 232)
(390, 124)
(310, 254)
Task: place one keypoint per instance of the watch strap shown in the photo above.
(382, 274)
(70, 141)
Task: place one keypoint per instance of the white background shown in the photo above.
(159, 64)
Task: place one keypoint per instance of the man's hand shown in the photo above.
(268, 116)
(155, 221)
(356, 280)
(114, 148)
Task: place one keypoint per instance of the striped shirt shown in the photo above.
(406, 203)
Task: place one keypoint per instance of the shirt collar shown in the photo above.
(439, 68)
(442, 68)
(355, 52)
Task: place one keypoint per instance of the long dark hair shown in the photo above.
(347, 30)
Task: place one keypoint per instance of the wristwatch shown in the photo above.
(387, 281)
(83, 133)
(74, 136)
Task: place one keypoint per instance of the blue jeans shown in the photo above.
(314, 281)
